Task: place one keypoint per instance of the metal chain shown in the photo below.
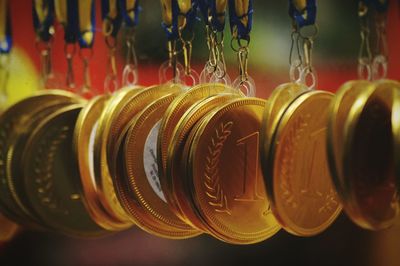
(130, 73)
(365, 55)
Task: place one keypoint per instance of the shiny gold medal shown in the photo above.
(84, 134)
(347, 96)
(277, 103)
(172, 117)
(8, 229)
(174, 174)
(104, 186)
(50, 171)
(114, 118)
(140, 191)
(298, 181)
(224, 174)
(368, 158)
(16, 123)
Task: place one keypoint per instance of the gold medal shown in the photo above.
(85, 129)
(298, 181)
(172, 117)
(16, 123)
(104, 186)
(174, 174)
(274, 108)
(345, 98)
(140, 191)
(115, 117)
(224, 174)
(50, 171)
(368, 158)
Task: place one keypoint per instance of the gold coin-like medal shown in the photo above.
(224, 173)
(368, 158)
(149, 208)
(277, 103)
(16, 123)
(174, 173)
(86, 126)
(8, 229)
(104, 186)
(50, 171)
(115, 117)
(347, 96)
(298, 181)
(171, 118)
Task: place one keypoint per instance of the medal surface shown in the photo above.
(50, 171)
(368, 159)
(178, 107)
(149, 209)
(16, 123)
(104, 184)
(277, 103)
(84, 134)
(298, 181)
(345, 98)
(224, 174)
(175, 173)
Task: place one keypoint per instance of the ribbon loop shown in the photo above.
(43, 19)
(178, 15)
(130, 12)
(86, 23)
(303, 12)
(241, 18)
(214, 12)
(111, 17)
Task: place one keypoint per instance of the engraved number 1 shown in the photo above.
(249, 146)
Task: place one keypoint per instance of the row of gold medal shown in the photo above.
(179, 162)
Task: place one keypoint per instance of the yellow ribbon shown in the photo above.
(60, 7)
(85, 20)
(3, 22)
(300, 5)
(130, 5)
(221, 7)
(166, 12)
(184, 7)
(42, 11)
(241, 8)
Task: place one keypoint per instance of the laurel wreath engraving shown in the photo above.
(43, 169)
(291, 143)
(216, 196)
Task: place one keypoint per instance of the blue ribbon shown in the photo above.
(209, 7)
(204, 6)
(243, 31)
(42, 28)
(6, 45)
(128, 21)
(115, 22)
(304, 17)
(216, 24)
(172, 31)
(71, 29)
